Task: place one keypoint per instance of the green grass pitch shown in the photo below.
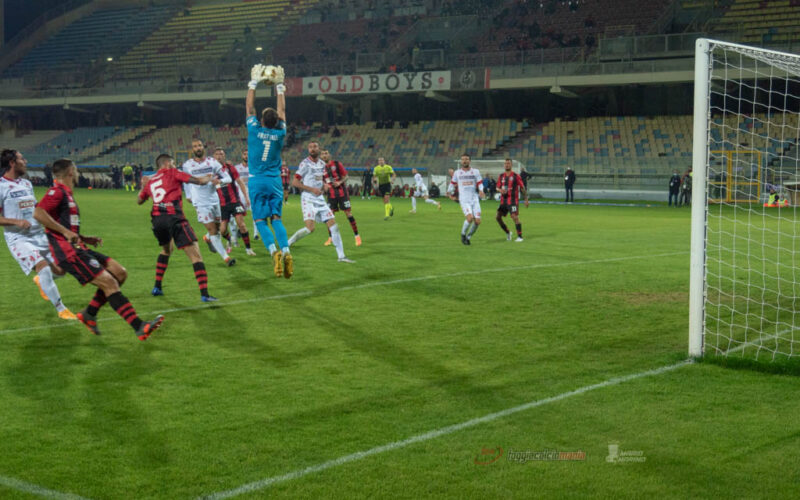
(420, 334)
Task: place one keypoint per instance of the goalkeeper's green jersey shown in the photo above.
(383, 173)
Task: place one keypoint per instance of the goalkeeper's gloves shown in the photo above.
(279, 75)
(280, 89)
(256, 75)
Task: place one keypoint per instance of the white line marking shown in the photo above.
(32, 489)
(355, 287)
(265, 483)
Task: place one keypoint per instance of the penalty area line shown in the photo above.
(443, 431)
(32, 489)
(310, 293)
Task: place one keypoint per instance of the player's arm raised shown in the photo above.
(280, 90)
(256, 74)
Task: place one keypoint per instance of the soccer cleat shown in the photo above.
(288, 266)
(328, 242)
(89, 321)
(508, 236)
(41, 292)
(208, 242)
(391, 212)
(208, 298)
(386, 218)
(412, 211)
(67, 315)
(467, 240)
(156, 291)
(277, 260)
(358, 240)
(256, 237)
(230, 261)
(250, 252)
(147, 329)
(347, 261)
(519, 239)
(464, 239)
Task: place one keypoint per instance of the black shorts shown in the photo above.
(232, 209)
(337, 204)
(173, 227)
(285, 185)
(85, 265)
(505, 209)
(385, 189)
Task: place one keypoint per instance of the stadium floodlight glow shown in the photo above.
(562, 92)
(109, 59)
(259, 48)
(743, 267)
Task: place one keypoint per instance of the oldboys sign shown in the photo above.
(381, 83)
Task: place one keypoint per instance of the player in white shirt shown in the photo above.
(308, 180)
(470, 191)
(24, 235)
(244, 173)
(205, 198)
(421, 191)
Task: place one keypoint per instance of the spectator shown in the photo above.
(569, 182)
(674, 187)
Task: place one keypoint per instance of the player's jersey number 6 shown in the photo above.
(158, 192)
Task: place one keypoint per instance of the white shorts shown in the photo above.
(420, 191)
(315, 208)
(472, 208)
(208, 213)
(30, 251)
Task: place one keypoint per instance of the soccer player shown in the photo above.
(309, 180)
(205, 198)
(59, 214)
(452, 189)
(509, 184)
(285, 180)
(384, 176)
(127, 174)
(231, 203)
(335, 178)
(470, 190)
(169, 223)
(421, 191)
(244, 174)
(24, 235)
(367, 184)
(264, 144)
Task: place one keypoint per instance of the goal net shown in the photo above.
(745, 255)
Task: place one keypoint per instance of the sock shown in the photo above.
(266, 233)
(337, 241)
(329, 231)
(464, 228)
(161, 268)
(502, 224)
(390, 208)
(227, 235)
(255, 229)
(246, 239)
(97, 302)
(413, 203)
(472, 230)
(122, 305)
(519, 229)
(281, 235)
(49, 287)
(202, 277)
(432, 202)
(299, 235)
(272, 249)
(386, 209)
(216, 241)
(353, 225)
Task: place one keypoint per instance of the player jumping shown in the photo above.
(169, 223)
(309, 180)
(205, 199)
(264, 145)
(24, 235)
(59, 214)
(509, 185)
(231, 203)
(470, 186)
(335, 178)
(421, 191)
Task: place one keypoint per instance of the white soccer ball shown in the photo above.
(497, 196)
(270, 73)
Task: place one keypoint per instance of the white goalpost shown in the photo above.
(745, 286)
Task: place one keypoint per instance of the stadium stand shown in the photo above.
(760, 21)
(206, 34)
(71, 143)
(102, 34)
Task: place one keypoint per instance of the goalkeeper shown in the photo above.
(264, 144)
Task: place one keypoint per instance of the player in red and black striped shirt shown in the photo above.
(230, 204)
(60, 216)
(335, 181)
(509, 185)
(169, 223)
(285, 180)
